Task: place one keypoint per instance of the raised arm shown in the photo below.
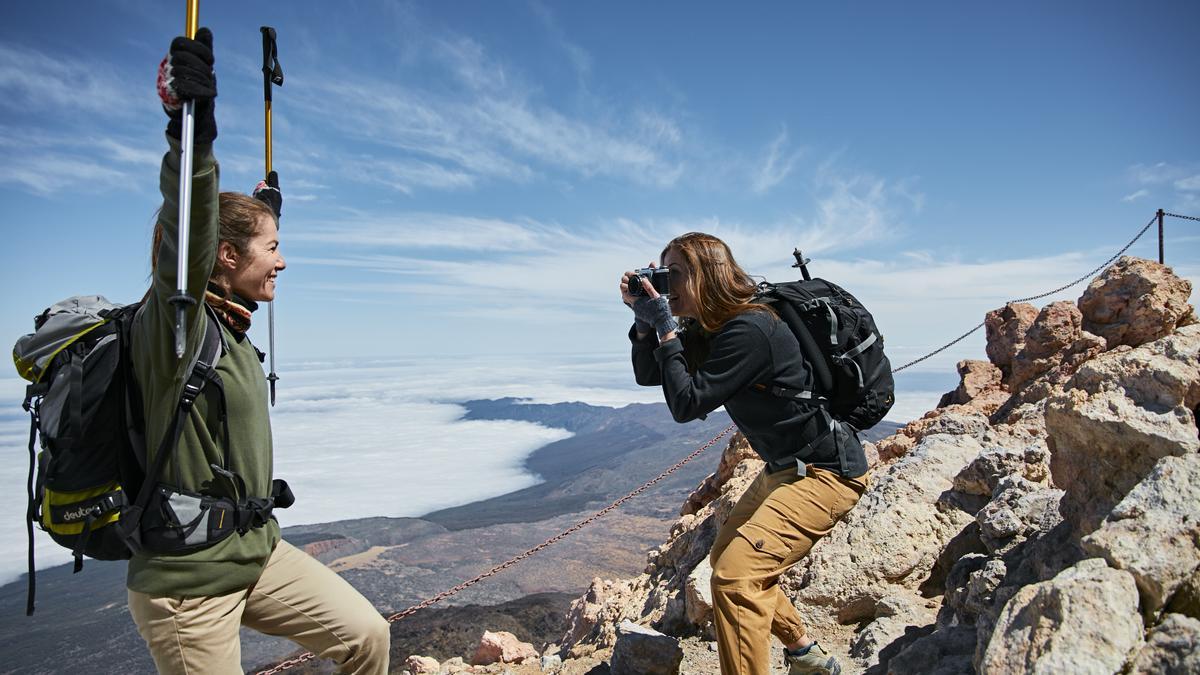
(185, 74)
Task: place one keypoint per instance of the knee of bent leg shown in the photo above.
(377, 635)
(727, 571)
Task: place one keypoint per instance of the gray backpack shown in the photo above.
(86, 412)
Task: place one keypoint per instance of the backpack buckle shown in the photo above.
(188, 397)
(110, 502)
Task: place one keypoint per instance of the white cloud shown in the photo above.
(579, 57)
(128, 154)
(1136, 195)
(343, 430)
(777, 165)
(47, 163)
(32, 81)
(1175, 185)
(1156, 174)
(435, 230)
(480, 262)
(656, 127)
(1189, 184)
(480, 123)
(51, 174)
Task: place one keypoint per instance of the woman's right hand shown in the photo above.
(651, 313)
(186, 74)
(641, 327)
(629, 277)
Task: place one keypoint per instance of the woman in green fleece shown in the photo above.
(189, 602)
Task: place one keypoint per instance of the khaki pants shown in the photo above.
(296, 597)
(771, 528)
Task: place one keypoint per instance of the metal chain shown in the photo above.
(308, 656)
(1176, 215)
(1095, 271)
(941, 349)
(1035, 297)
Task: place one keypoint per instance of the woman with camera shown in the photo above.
(727, 350)
(210, 558)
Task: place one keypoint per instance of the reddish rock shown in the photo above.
(1006, 328)
(896, 445)
(1056, 327)
(422, 665)
(1136, 301)
(735, 452)
(976, 377)
(502, 647)
(1048, 342)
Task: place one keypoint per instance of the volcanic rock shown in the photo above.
(420, 665)
(1085, 620)
(502, 647)
(1006, 328)
(1173, 647)
(644, 651)
(1154, 532)
(1136, 301)
(1121, 414)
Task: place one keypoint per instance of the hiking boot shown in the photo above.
(815, 662)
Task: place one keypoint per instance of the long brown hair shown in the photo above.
(720, 287)
(239, 216)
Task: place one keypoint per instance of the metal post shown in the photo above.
(1160, 237)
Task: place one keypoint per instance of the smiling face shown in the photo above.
(251, 273)
(683, 298)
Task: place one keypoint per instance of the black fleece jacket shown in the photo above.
(753, 348)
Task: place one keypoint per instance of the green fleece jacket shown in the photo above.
(237, 561)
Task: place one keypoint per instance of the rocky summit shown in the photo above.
(1045, 518)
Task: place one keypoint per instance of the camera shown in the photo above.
(660, 279)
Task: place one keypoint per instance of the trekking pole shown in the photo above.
(802, 263)
(181, 300)
(272, 74)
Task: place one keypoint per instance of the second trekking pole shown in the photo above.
(272, 75)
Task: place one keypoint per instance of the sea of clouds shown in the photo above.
(359, 438)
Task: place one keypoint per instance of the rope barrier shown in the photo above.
(1176, 215)
(308, 656)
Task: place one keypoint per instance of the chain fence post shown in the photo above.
(1160, 237)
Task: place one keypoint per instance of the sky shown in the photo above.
(465, 182)
(472, 178)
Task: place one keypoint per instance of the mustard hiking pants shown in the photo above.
(774, 525)
(296, 597)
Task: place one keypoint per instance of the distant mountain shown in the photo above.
(612, 451)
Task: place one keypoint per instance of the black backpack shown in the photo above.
(86, 415)
(89, 487)
(852, 377)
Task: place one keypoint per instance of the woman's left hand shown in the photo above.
(267, 191)
(654, 310)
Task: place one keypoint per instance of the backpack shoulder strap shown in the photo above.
(204, 372)
(822, 376)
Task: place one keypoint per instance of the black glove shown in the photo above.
(186, 74)
(267, 191)
(655, 312)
